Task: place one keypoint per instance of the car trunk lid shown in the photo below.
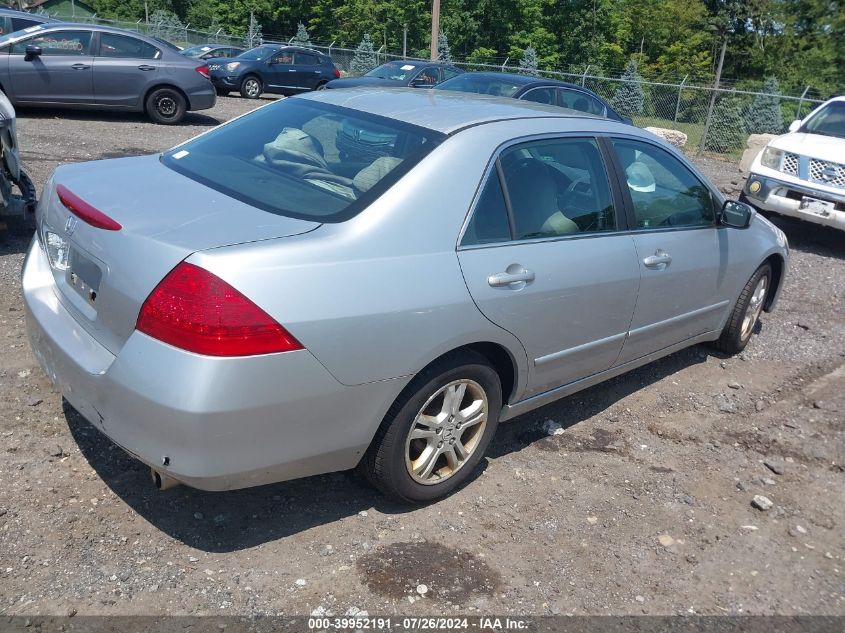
(163, 217)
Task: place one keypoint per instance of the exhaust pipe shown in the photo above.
(162, 481)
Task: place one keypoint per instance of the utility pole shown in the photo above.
(435, 27)
(713, 96)
(405, 41)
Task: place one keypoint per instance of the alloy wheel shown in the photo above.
(755, 306)
(446, 431)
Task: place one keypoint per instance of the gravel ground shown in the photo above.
(643, 504)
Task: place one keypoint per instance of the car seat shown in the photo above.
(533, 195)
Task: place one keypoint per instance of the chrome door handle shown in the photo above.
(660, 260)
(80, 66)
(146, 67)
(512, 277)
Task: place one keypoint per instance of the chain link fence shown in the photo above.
(716, 121)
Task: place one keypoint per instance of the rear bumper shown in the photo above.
(224, 423)
(777, 196)
(202, 99)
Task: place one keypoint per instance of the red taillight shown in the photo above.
(84, 211)
(197, 311)
(203, 70)
(336, 73)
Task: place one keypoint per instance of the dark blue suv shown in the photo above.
(272, 68)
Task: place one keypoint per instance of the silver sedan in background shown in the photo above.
(90, 66)
(255, 305)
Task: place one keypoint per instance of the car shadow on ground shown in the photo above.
(240, 519)
(527, 429)
(108, 116)
(811, 238)
(13, 242)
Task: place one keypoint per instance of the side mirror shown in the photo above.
(736, 214)
(32, 51)
(420, 83)
(794, 126)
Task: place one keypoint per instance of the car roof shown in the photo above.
(528, 80)
(154, 41)
(417, 62)
(441, 110)
(213, 46)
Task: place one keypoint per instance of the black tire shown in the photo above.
(385, 464)
(166, 106)
(734, 337)
(251, 87)
(321, 85)
(222, 92)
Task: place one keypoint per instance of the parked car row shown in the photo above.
(89, 66)
(44, 62)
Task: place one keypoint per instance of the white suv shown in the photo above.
(802, 173)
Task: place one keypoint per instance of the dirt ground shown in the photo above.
(641, 505)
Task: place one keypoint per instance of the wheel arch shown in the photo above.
(778, 265)
(499, 357)
(166, 85)
(247, 75)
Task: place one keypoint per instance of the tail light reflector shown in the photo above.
(84, 211)
(194, 310)
(336, 73)
(203, 70)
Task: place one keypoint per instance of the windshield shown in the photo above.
(829, 121)
(196, 51)
(258, 54)
(481, 85)
(398, 71)
(304, 159)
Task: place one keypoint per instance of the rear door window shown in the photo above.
(557, 187)
(57, 43)
(304, 59)
(552, 188)
(489, 221)
(580, 101)
(122, 46)
(541, 95)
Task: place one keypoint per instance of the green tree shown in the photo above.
(629, 97)
(727, 129)
(528, 63)
(167, 25)
(253, 37)
(365, 57)
(765, 116)
(301, 38)
(444, 53)
(482, 55)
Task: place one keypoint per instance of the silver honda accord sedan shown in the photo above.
(256, 305)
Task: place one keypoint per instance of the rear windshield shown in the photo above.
(196, 51)
(398, 71)
(304, 159)
(468, 82)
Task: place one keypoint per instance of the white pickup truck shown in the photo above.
(802, 173)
